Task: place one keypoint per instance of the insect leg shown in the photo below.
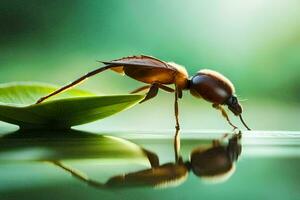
(179, 94)
(165, 88)
(140, 89)
(177, 145)
(79, 175)
(152, 157)
(151, 94)
(176, 110)
(224, 114)
(74, 83)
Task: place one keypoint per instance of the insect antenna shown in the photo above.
(243, 100)
(242, 120)
(240, 98)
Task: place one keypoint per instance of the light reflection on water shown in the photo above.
(206, 166)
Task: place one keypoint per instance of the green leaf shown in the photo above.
(73, 107)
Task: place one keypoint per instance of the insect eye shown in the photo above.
(232, 100)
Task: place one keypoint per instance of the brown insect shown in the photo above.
(207, 84)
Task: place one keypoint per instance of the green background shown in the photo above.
(256, 44)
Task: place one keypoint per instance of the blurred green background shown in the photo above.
(256, 44)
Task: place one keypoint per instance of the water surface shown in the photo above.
(135, 165)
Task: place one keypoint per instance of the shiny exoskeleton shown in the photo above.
(207, 84)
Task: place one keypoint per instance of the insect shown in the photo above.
(157, 74)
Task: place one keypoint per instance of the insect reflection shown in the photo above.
(157, 74)
(215, 164)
